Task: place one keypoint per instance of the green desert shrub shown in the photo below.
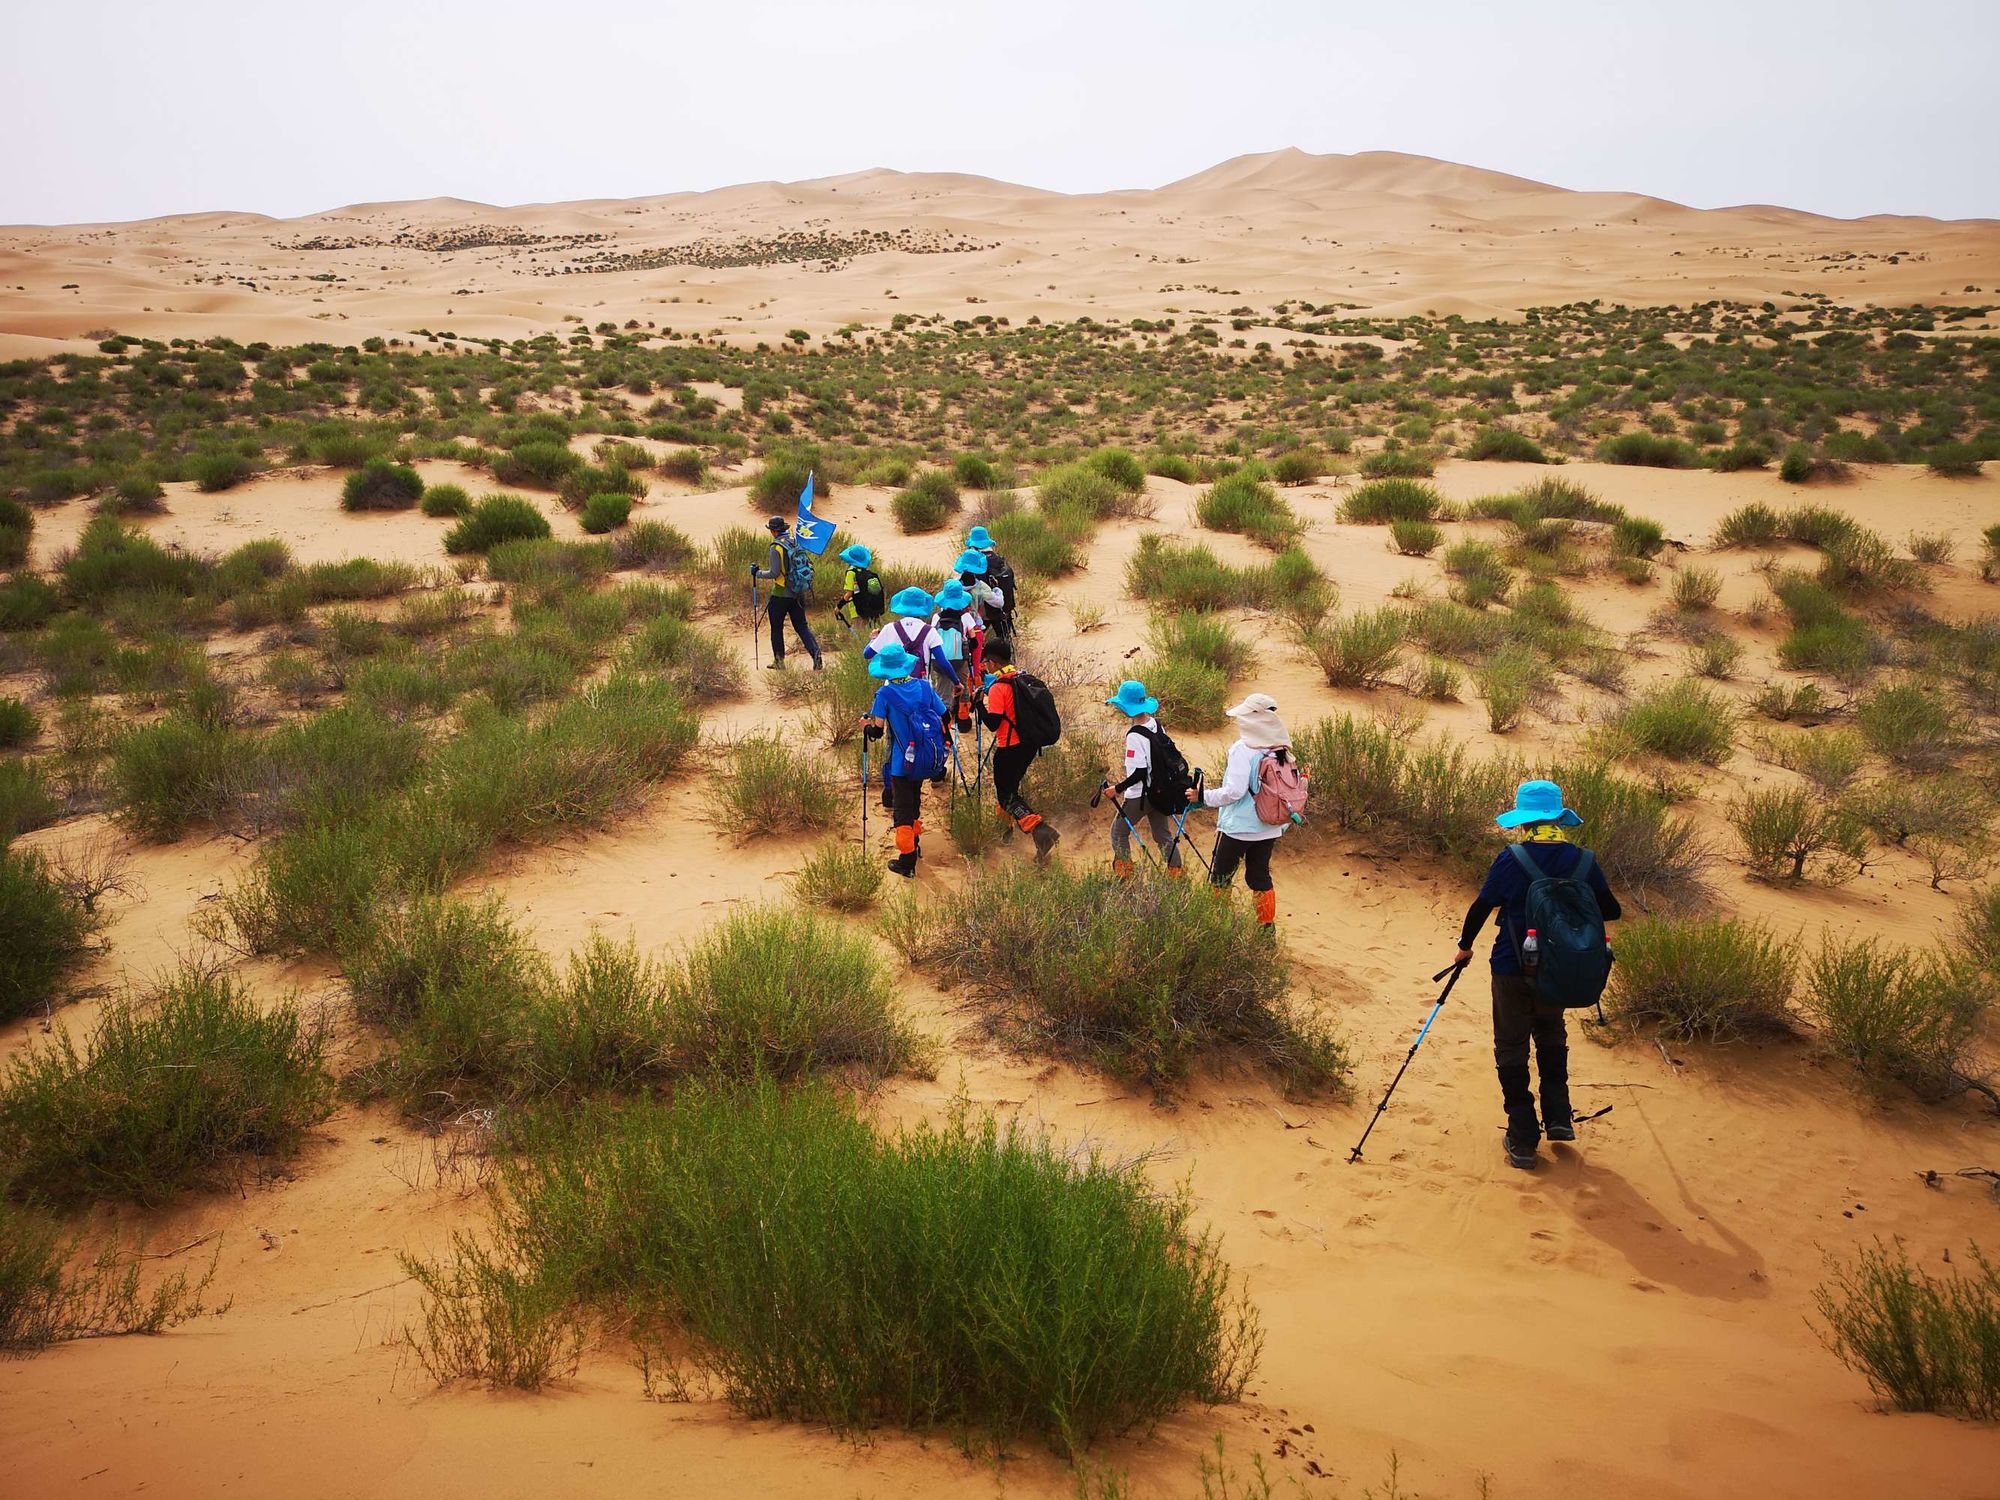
(1359, 650)
(446, 500)
(1121, 467)
(1716, 657)
(17, 526)
(776, 489)
(27, 602)
(18, 724)
(539, 463)
(219, 469)
(699, 663)
(50, 1293)
(1381, 502)
(602, 513)
(179, 770)
(684, 464)
(1978, 931)
(1398, 463)
(1829, 759)
(1040, 545)
(26, 803)
(1142, 978)
(1504, 445)
(840, 877)
(381, 485)
(930, 500)
(975, 825)
(1203, 638)
(1789, 834)
(1914, 726)
(653, 544)
(1649, 450)
(1922, 1342)
(1415, 538)
(1298, 466)
(543, 565)
(496, 519)
(1192, 693)
(1696, 589)
(1703, 979)
(963, 1276)
(975, 472)
(1480, 578)
(1509, 680)
(179, 1088)
(1241, 502)
(1684, 720)
(45, 932)
(774, 786)
(1175, 466)
(1897, 1015)
(1637, 536)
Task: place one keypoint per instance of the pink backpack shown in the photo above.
(1281, 789)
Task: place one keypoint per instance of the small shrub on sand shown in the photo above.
(1789, 834)
(1299, 466)
(1979, 929)
(1121, 467)
(1897, 1015)
(1504, 445)
(699, 663)
(1142, 978)
(178, 1089)
(1649, 450)
(1715, 658)
(1753, 525)
(444, 501)
(18, 724)
(1828, 758)
(1652, 856)
(50, 1295)
(930, 500)
(769, 1244)
(1192, 693)
(27, 600)
(1203, 638)
(1415, 538)
(45, 932)
(1509, 680)
(776, 489)
(1922, 1342)
(1398, 463)
(539, 464)
(777, 787)
(381, 485)
(840, 877)
(1696, 589)
(653, 544)
(1682, 721)
(219, 469)
(974, 472)
(1360, 650)
(1703, 979)
(975, 825)
(602, 513)
(496, 519)
(1038, 544)
(1384, 501)
(1241, 502)
(17, 525)
(1914, 726)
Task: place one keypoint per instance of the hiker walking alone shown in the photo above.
(1262, 787)
(909, 712)
(913, 631)
(1018, 709)
(1545, 881)
(1147, 748)
(790, 577)
(861, 590)
(999, 577)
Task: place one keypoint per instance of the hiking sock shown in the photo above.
(1122, 868)
(1266, 903)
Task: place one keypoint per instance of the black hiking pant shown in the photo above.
(1010, 765)
(1253, 854)
(790, 607)
(1521, 1020)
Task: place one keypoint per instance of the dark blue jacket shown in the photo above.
(1506, 891)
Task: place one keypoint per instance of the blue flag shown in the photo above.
(812, 533)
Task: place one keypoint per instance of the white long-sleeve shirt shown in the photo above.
(1235, 799)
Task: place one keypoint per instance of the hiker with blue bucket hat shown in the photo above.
(861, 590)
(954, 605)
(1550, 957)
(1151, 762)
(999, 577)
(913, 630)
(987, 604)
(910, 715)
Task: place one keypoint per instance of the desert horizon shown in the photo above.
(506, 988)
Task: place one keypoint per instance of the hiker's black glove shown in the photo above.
(872, 732)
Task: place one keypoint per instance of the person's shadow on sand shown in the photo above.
(1678, 1255)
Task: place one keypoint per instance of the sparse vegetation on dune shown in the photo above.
(1923, 1341)
(50, 1293)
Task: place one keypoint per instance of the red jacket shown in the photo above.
(998, 712)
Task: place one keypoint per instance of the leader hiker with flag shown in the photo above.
(789, 566)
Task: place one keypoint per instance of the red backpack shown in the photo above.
(1281, 789)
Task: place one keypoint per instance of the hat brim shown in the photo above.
(1516, 817)
(904, 668)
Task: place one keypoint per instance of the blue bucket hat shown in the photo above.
(1133, 700)
(911, 603)
(1539, 802)
(979, 539)
(857, 555)
(891, 662)
(954, 595)
(970, 562)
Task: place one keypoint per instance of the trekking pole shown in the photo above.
(1180, 828)
(864, 788)
(1118, 806)
(756, 651)
(958, 765)
(1454, 970)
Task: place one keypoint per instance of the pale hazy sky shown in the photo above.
(118, 109)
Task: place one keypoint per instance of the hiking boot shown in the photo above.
(819, 664)
(775, 666)
(1559, 1130)
(1523, 1136)
(904, 865)
(1122, 868)
(1046, 838)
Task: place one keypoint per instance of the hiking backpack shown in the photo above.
(1574, 960)
(1001, 577)
(923, 755)
(1036, 718)
(867, 594)
(1281, 789)
(798, 569)
(1168, 779)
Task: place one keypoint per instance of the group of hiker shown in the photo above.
(1551, 897)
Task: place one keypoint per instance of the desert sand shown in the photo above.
(1632, 1320)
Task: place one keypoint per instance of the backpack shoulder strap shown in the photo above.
(1584, 861)
(1527, 863)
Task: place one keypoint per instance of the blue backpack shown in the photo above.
(798, 568)
(1573, 960)
(922, 756)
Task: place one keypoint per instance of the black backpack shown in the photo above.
(868, 603)
(1001, 577)
(1573, 960)
(1169, 779)
(1036, 719)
